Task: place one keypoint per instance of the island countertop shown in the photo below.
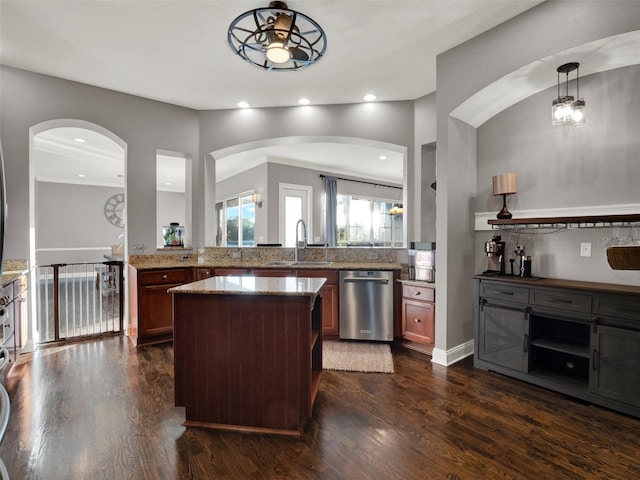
(249, 285)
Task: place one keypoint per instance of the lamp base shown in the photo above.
(504, 214)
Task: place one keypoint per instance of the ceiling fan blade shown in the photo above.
(298, 54)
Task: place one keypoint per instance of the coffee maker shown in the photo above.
(494, 249)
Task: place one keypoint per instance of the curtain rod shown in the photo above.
(363, 181)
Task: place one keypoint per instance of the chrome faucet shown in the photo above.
(304, 238)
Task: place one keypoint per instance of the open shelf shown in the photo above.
(579, 350)
(582, 221)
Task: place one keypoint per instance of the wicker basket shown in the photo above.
(625, 257)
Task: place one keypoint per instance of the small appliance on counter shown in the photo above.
(494, 249)
(422, 261)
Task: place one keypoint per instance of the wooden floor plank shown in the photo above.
(105, 410)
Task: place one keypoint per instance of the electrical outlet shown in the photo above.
(373, 256)
(585, 249)
(139, 247)
(236, 255)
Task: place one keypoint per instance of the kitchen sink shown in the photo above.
(281, 263)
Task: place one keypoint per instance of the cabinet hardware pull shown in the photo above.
(559, 300)
(525, 345)
(417, 320)
(417, 293)
(164, 277)
(500, 292)
(594, 358)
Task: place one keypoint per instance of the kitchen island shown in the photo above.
(248, 352)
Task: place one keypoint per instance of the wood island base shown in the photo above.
(247, 362)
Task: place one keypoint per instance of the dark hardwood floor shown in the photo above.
(104, 410)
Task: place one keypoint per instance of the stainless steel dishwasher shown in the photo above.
(366, 305)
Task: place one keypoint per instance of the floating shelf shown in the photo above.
(582, 221)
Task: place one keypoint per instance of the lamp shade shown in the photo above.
(505, 184)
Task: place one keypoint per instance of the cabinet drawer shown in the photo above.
(414, 292)
(160, 277)
(617, 306)
(330, 275)
(575, 302)
(419, 321)
(502, 291)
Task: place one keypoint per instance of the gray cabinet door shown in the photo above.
(504, 336)
(615, 361)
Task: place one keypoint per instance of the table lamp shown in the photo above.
(505, 184)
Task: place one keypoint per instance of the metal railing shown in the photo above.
(79, 300)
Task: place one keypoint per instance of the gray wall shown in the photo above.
(146, 126)
(72, 217)
(596, 165)
(546, 29)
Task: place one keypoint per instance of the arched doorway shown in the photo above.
(77, 223)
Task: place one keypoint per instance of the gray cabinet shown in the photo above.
(577, 338)
(616, 364)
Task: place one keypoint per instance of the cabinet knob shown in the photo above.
(417, 293)
(164, 277)
(417, 320)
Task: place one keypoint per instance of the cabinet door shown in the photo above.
(203, 272)
(418, 321)
(616, 364)
(330, 316)
(504, 336)
(156, 310)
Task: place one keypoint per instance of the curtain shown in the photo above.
(330, 210)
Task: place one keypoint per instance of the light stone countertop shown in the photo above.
(261, 264)
(239, 285)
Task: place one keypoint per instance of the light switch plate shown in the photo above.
(585, 249)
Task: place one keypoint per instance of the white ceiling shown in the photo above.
(176, 51)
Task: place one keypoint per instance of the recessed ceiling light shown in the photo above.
(243, 105)
(382, 157)
(81, 175)
(79, 140)
(304, 101)
(369, 97)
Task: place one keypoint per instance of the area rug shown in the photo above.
(357, 357)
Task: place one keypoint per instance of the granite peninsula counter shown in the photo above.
(248, 352)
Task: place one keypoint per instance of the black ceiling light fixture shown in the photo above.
(277, 38)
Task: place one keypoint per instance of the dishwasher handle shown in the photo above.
(368, 280)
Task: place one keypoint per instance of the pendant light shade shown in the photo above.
(566, 109)
(277, 38)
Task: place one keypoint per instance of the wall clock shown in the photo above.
(113, 210)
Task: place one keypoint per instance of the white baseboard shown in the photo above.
(453, 355)
(481, 218)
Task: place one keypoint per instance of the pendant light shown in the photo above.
(566, 109)
(277, 38)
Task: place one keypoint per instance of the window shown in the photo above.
(236, 220)
(367, 221)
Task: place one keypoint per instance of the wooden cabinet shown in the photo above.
(577, 338)
(150, 303)
(418, 316)
(330, 305)
(250, 365)
(200, 273)
(273, 272)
